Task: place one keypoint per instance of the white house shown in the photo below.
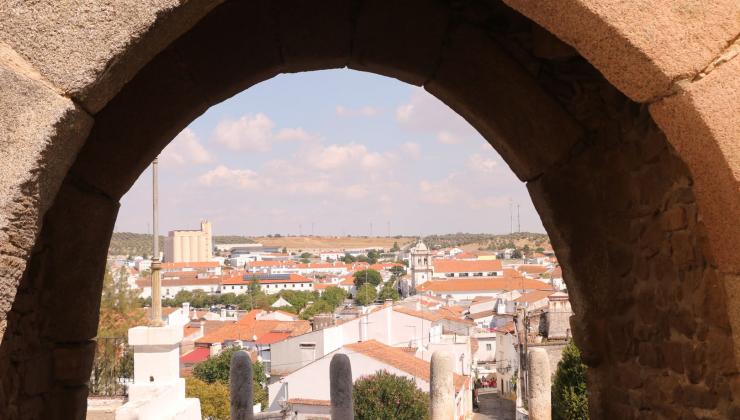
(172, 285)
(240, 282)
(472, 288)
(306, 390)
(445, 269)
(507, 359)
(484, 354)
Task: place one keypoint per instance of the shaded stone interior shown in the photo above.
(618, 203)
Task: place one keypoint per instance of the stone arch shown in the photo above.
(643, 256)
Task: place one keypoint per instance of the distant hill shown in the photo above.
(128, 243)
(488, 241)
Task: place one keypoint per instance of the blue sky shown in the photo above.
(336, 149)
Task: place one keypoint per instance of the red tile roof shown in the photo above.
(198, 355)
(401, 360)
(248, 327)
(240, 279)
(465, 266)
(428, 315)
(532, 269)
(482, 284)
(534, 296)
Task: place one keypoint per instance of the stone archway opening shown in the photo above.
(617, 200)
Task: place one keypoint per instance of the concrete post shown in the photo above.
(539, 385)
(240, 387)
(442, 390)
(340, 383)
(156, 266)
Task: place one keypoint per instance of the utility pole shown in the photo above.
(518, 220)
(156, 264)
(371, 229)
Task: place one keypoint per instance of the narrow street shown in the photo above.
(493, 407)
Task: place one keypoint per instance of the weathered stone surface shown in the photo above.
(74, 264)
(502, 102)
(703, 125)
(314, 43)
(73, 362)
(241, 387)
(675, 40)
(390, 40)
(89, 49)
(441, 386)
(539, 385)
(40, 134)
(340, 387)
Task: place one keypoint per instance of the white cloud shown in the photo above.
(356, 191)
(411, 149)
(445, 137)
(184, 149)
(481, 164)
(223, 176)
(294, 134)
(339, 156)
(426, 114)
(255, 133)
(365, 111)
(439, 192)
(495, 202)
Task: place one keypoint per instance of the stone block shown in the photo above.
(67, 403)
(79, 226)
(539, 385)
(702, 123)
(314, 34)
(493, 93)
(73, 363)
(390, 39)
(56, 40)
(673, 41)
(673, 219)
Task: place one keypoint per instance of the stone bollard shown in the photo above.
(340, 383)
(240, 387)
(539, 385)
(442, 390)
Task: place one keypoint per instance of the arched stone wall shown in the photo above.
(640, 256)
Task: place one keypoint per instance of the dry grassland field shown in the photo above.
(330, 242)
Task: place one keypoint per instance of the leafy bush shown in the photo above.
(366, 294)
(569, 394)
(216, 369)
(384, 395)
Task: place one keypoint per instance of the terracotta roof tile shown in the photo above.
(400, 359)
(534, 296)
(482, 284)
(465, 266)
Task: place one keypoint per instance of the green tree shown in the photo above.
(398, 270)
(216, 369)
(334, 295)
(395, 247)
(120, 309)
(383, 395)
(214, 398)
(389, 292)
(348, 258)
(366, 294)
(367, 276)
(372, 256)
(306, 255)
(569, 394)
(319, 307)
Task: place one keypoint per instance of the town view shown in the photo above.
(369, 210)
(294, 238)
